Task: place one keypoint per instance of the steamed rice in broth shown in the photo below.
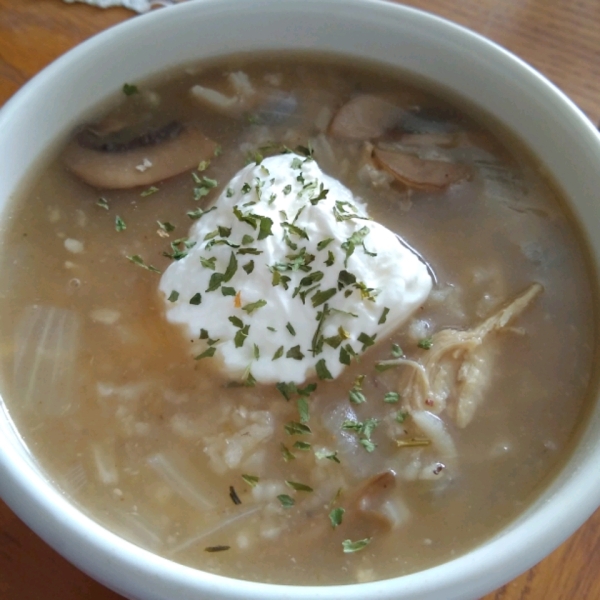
(215, 344)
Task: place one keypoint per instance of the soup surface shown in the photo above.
(423, 441)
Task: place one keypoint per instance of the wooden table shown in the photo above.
(559, 37)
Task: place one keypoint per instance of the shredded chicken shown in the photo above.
(458, 365)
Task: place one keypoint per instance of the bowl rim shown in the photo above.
(105, 555)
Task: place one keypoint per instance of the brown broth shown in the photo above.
(137, 393)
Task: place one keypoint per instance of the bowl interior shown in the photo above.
(561, 138)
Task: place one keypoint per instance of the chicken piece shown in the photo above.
(458, 365)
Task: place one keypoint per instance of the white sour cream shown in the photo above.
(296, 241)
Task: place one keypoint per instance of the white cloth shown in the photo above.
(140, 6)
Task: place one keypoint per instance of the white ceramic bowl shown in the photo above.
(563, 140)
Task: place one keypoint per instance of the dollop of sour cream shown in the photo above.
(286, 276)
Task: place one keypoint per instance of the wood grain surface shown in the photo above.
(561, 38)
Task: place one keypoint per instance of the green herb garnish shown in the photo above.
(250, 308)
(324, 243)
(391, 398)
(287, 455)
(366, 340)
(214, 283)
(294, 353)
(203, 186)
(356, 395)
(303, 410)
(364, 429)
(425, 343)
(401, 416)
(151, 190)
(209, 263)
(413, 443)
(320, 454)
(231, 268)
(233, 495)
(216, 548)
(347, 352)
(139, 261)
(299, 487)
(236, 321)
(240, 336)
(322, 296)
(349, 546)
(251, 480)
(300, 445)
(130, 89)
(286, 501)
(264, 229)
(322, 370)
(384, 315)
(336, 516)
(356, 239)
(320, 196)
(198, 212)
(397, 351)
(166, 226)
(345, 278)
(286, 389)
(208, 353)
(295, 428)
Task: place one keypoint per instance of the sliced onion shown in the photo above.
(183, 478)
(435, 429)
(106, 463)
(234, 517)
(47, 341)
(138, 530)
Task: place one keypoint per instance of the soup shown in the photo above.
(294, 320)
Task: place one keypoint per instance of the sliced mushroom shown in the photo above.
(365, 117)
(370, 493)
(115, 162)
(442, 140)
(432, 119)
(370, 509)
(420, 174)
(366, 505)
